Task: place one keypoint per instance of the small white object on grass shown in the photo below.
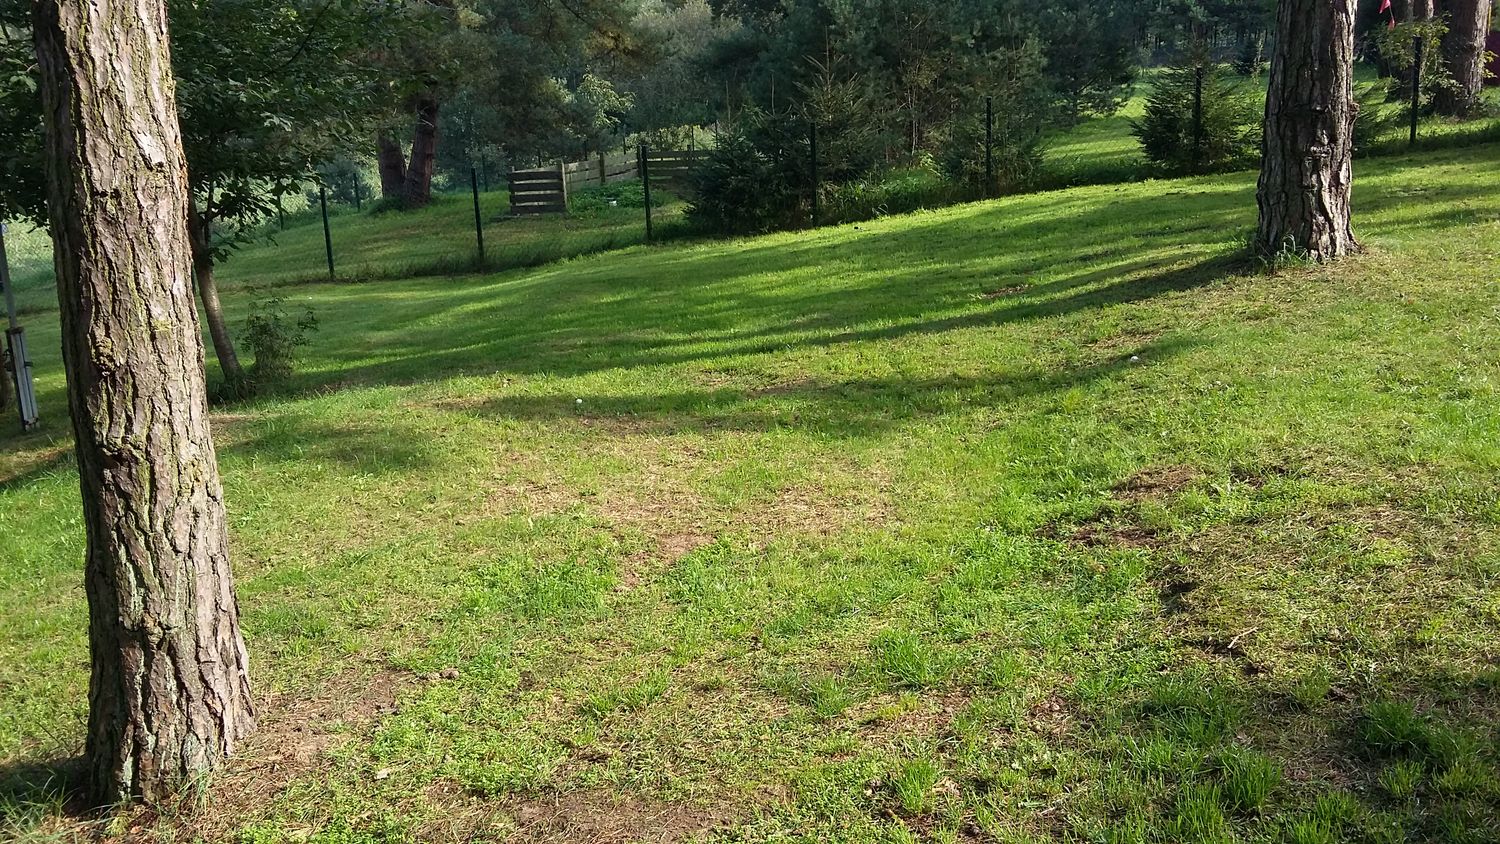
(578, 402)
(1135, 358)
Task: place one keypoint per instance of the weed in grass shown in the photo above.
(1199, 815)
(913, 784)
(1402, 778)
(1392, 728)
(1466, 776)
(1247, 777)
(829, 695)
(1312, 688)
(908, 660)
(1309, 829)
(1193, 709)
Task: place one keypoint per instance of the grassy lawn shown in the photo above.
(1102, 150)
(1030, 520)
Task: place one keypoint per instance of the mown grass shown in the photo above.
(1039, 519)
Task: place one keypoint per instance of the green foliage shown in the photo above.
(908, 660)
(1248, 778)
(274, 336)
(1092, 50)
(913, 784)
(1397, 47)
(1375, 118)
(596, 198)
(758, 176)
(897, 191)
(1228, 136)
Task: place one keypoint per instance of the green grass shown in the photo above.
(1102, 149)
(1037, 519)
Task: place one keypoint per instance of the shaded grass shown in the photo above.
(1032, 519)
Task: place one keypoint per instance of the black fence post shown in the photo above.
(327, 233)
(989, 146)
(478, 220)
(280, 214)
(812, 150)
(1198, 116)
(1416, 86)
(645, 154)
(359, 202)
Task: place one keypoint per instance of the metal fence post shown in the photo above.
(812, 149)
(327, 233)
(1416, 86)
(1198, 116)
(15, 343)
(478, 220)
(359, 202)
(645, 154)
(280, 213)
(989, 146)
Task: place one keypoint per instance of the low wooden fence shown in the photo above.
(545, 190)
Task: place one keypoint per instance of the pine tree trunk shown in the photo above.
(1463, 51)
(169, 694)
(200, 239)
(418, 189)
(1306, 171)
(392, 162)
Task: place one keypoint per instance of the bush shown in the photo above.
(1017, 154)
(890, 192)
(274, 337)
(1375, 118)
(622, 194)
(757, 178)
(1230, 134)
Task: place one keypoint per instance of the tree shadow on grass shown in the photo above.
(846, 408)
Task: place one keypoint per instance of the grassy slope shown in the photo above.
(1025, 519)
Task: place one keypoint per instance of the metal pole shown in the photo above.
(645, 154)
(327, 233)
(359, 202)
(989, 145)
(280, 214)
(1198, 116)
(1416, 86)
(15, 341)
(478, 221)
(812, 149)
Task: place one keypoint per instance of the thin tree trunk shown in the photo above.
(169, 694)
(418, 189)
(392, 162)
(1463, 51)
(200, 238)
(1306, 171)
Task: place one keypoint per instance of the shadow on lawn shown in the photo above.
(857, 407)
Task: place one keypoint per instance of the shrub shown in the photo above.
(1374, 118)
(1230, 134)
(895, 191)
(274, 337)
(757, 178)
(596, 198)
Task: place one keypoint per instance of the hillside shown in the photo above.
(1048, 518)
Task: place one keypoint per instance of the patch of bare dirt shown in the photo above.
(888, 719)
(1004, 291)
(600, 817)
(1156, 483)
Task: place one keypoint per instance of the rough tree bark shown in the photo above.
(169, 696)
(418, 188)
(1306, 172)
(392, 162)
(1463, 52)
(200, 239)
